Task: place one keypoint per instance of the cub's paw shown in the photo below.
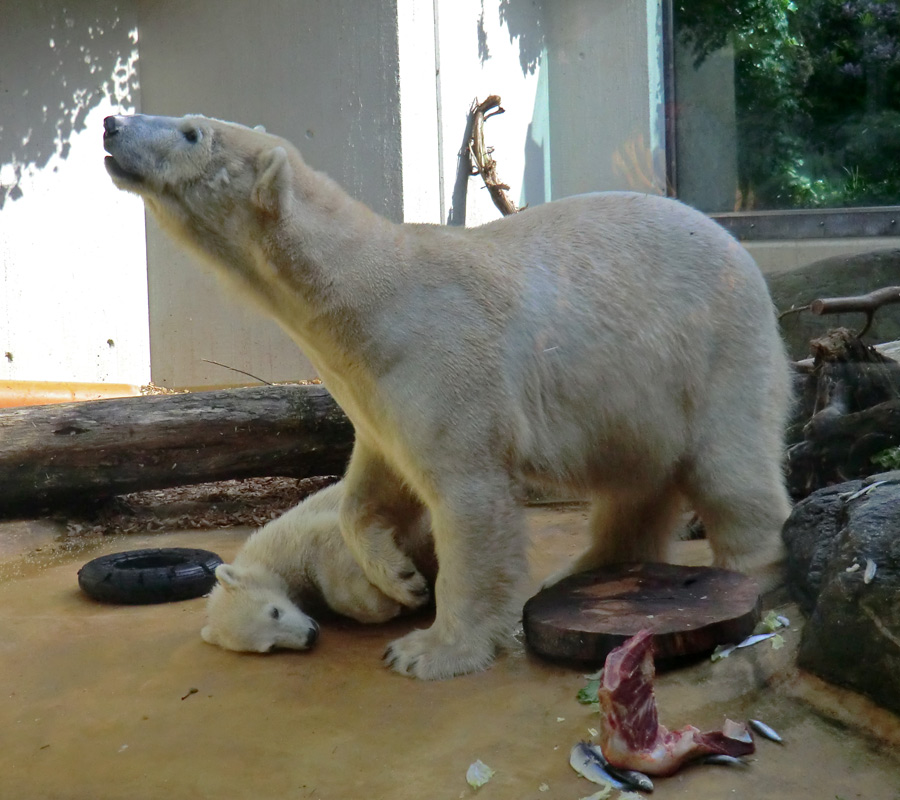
(424, 654)
(400, 581)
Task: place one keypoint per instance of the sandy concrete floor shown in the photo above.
(114, 702)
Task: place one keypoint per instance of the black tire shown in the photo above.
(154, 575)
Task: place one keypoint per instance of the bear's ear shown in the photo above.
(228, 576)
(273, 184)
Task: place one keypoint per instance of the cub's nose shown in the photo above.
(313, 635)
(110, 127)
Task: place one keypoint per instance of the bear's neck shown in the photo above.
(328, 269)
(351, 257)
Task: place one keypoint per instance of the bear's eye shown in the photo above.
(192, 135)
(275, 612)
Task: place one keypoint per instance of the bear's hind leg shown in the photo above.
(627, 527)
(743, 504)
(734, 477)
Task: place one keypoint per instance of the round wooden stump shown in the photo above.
(689, 609)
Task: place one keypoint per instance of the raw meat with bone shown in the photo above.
(631, 736)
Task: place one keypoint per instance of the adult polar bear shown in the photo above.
(618, 344)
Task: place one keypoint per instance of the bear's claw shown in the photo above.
(422, 654)
(407, 586)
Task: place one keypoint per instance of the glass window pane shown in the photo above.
(784, 104)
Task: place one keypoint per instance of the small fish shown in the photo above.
(637, 780)
(589, 763)
(756, 639)
(871, 568)
(765, 731)
(721, 760)
(862, 492)
(630, 778)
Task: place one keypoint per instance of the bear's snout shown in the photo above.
(313, 634)
(110, 127)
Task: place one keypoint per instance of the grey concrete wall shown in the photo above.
(73, 293)
(322, 73)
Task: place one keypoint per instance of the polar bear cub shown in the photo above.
(300, 561)
(618, 345)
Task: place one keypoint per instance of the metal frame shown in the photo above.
(830, 223)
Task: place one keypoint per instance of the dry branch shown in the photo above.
(867, 304)
(481, 154)
(76, 452)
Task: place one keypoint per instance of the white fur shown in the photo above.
(296, 559)
(617, 344)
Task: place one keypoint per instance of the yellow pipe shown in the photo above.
(41, 393)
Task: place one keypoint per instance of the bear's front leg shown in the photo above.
(480, 543)
(375, 505)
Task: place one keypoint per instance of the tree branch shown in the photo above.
(481, 154)
(867, 304)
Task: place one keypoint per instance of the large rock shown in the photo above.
(852, 637)
(839, 276)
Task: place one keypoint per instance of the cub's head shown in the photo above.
(249, 610)
(210, 182)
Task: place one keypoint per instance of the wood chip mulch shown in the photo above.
(251, 502)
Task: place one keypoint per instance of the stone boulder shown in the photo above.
(838, 276)
(843, 546)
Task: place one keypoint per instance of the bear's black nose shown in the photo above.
(110, 127)
(313, 635)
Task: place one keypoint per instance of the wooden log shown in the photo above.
(76, 452)
(690, 610)
(839, 447)
(848, 411)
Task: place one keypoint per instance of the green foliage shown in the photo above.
(817, 90)
(888, 459)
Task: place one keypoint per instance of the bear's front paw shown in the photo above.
(424, 654)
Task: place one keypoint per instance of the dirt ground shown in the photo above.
(111, 702)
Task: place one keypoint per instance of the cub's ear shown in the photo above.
(228, 576)
(208, 636)
(272, 191)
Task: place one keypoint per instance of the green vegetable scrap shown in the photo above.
(478, 774)
(770, 623)
(722, 651)
(587, 695)
(600, 795)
